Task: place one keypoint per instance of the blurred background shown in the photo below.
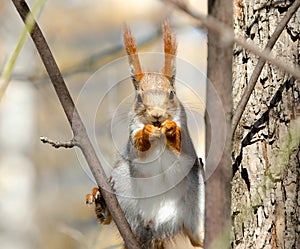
(42, 189)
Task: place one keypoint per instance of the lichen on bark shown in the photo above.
(266, 175)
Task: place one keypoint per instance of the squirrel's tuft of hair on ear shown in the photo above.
(170, 43)
(170, 49)
(131, 50)
(129, 41)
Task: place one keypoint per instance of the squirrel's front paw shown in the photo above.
(91, 198)
(169, 127)
(173, 134)
(151, 131)
(102, 212)
(143, 137)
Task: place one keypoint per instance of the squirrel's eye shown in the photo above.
(171, 96)
(139, 98)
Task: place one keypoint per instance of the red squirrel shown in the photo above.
(158, 178)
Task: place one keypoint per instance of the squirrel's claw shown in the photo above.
(111, 182)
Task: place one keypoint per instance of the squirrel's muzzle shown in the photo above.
(157, 116)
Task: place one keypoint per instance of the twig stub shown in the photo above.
(57, 144)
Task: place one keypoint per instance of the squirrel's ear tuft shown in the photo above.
(170, 49)
(134, 62)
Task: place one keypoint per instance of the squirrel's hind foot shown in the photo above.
(101, 210)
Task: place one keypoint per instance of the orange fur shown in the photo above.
(158, 245)
(141, 141)
(142, 137)
(131, 50)
(170, 49)
(192, 240)
(102, 212)
(173, 134)
(89, 199)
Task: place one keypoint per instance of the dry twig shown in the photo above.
(57, 144)
(78, 127)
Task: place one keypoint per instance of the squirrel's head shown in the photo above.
(156, 99)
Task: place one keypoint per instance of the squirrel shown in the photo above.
(158, 178)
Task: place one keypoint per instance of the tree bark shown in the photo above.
(217, 190)
(266, 174)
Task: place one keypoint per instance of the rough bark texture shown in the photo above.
(266, 174)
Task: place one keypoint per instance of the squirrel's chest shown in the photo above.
(157, 161)
(162, 185)
(159, 170)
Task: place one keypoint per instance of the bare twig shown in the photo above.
(78, 128)
(261, 62)
(226, 37)
(57, 144)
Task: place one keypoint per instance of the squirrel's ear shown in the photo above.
(134, 62)
(170, 49)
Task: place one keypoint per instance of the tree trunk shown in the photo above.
(266, 174)
(218, 133)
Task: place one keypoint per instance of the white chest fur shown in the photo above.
(160, 184)
(154, 186)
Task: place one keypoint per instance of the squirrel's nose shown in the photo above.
(156, 115)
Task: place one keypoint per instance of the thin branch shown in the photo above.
(226, 37)
(261, 62)
(92, 62)
(78, 128)
(57, 144)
